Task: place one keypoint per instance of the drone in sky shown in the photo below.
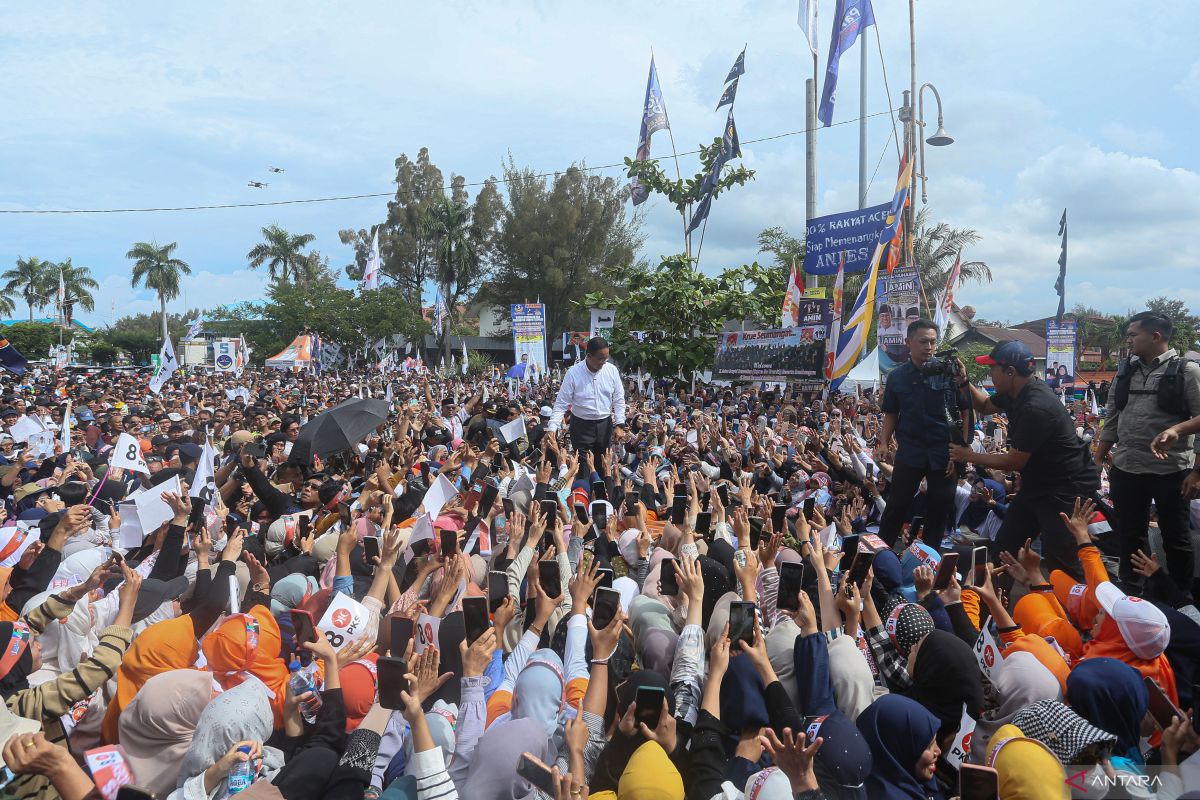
(276, 169)
(257, 184)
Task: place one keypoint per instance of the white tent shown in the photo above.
(865, 373)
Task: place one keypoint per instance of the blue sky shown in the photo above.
(1083, 105)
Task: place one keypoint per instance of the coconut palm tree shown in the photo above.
(157, 269)
(78, 284)
(30, 277)
(448, 224)
(935, 250)
(283, 254)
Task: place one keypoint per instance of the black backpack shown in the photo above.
(1170, 392)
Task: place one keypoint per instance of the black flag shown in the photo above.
(729, 95)
(738, 68)
(1060, 285)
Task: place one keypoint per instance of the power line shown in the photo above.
(341, 198)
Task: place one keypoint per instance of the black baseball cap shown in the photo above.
(1009, 354)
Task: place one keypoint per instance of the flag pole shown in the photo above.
(687, 237)
(862, 120)
(810, 147)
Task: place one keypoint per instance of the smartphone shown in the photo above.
(977, 782)
(1161, 708)
(371, 547)
(704, 524)
(756, 525)
(391, 672)
(304, 525)
(534, 770)
(449, 542)
(487, 499)
(549, 511)
(196, 517)
(402, 632)
(508, 507)
(471, 498)
(549, 578)
(741, 624)
(303, 625)
(475, 617)
(599, 514)
(860, 567)
(605, 605)
(723, 493)
(809, 504)
(849, 551)
(791, 578)
(632, 508)
(599, 490)
(606, 577)
(649, 700)
(668, 580)
(131, 792)
(497, 590)
(979, 560)
(678, 509)
(779, 519)
(946, 570)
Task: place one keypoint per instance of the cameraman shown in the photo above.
(915, 409)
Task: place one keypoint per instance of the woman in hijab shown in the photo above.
(650, 775)
(946, 675)
(290, 592)
(1026, 768)
(850, 674)
(157, 727)
(1022, 681)
(493, 768)
(844, 760)
(902, 736)
(654, 634)
(1112, 696)
(248, 645)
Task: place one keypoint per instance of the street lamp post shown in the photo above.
(914, 125)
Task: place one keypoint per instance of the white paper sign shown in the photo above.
(988, 654)
(438, 495)
(152, 510)
(345, 621)
(131, 534)
(513, 430)
(26, 427)
(127, 454)
(960, 749)
(41, 444)
(426, 633)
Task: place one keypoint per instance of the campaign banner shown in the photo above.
(851, 232)
(602, 323)
(1060, 354)
(529, 333)
(816, 314)
(782, 355)
(225, 354)
(898, 299)
(816, 292)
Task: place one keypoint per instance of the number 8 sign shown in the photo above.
(344, 621)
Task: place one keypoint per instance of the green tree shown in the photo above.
(786, 249)
(562, 238)
(1187, 325)
(283, 253)
(139, 335)
(158, 269)
(33, 339)
(1094, 328)
(78, 285)
(935, 249)
(31, 278)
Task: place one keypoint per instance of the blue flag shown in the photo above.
(11, 358)
(730, 148)
(729, 95)
(698, 216)
(654, 119)
(738, 68)
(849, 20)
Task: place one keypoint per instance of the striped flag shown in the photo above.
(893, 253)
(942, 317)
(835, 328)
(790, 317)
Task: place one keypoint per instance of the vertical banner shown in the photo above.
(815, 317)
(602, 323)
(898, 298)
(225, 354)
(529, 334)
(1060, 355)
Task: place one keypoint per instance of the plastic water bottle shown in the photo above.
(241, 775)
(303, 680)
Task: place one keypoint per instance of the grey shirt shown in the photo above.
(1134, 427)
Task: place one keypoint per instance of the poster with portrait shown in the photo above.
(898, 303)
(1060, 355)
(780, 356)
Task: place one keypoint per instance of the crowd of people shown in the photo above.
(697, 592)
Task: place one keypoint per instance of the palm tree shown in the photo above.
(448, 224)
(30, 276)
(935, 251)
(158, 270)
(78, 284)
(282, 253)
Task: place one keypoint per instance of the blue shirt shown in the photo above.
(922, 430)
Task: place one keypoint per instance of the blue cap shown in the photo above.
(1009, 354)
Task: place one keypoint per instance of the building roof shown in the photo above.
(51, 321)
(993, 334)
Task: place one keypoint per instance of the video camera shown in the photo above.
(944, 362)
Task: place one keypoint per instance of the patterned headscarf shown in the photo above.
(1061, 729)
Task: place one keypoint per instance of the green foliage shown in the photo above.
(786, 249)
(1187, 325)
(157, 268)
(283, 253)
(140, 335)
(479, 363)
(30, 278)
(1094, 328)
(935, 249)
(978, 373)
(33, 339)
(78, 284)
(686, 191)
(102, 353)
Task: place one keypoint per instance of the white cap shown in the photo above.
(545, 411)
(1143, 627)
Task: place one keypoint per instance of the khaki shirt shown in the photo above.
(1133, 428)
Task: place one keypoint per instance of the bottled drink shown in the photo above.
(304, 679)
(241, 775)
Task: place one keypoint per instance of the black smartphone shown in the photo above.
(756, 525)
(791, 578)
(1161, 708)
(704, 524)
(723, 493)
(946, 570)
(131, 792)
(371, 547)
(599, 490)
(550, 511)
(741, 624)
(534, 770)
(632, 508)
(779, 519)
(606, 577)
(303, 626)
(979, 561)
(849, 550)
(599, 513)
(508, 507)
(449, 542)
(681, 490)
(391, 672)
(402, 631)
(668, 580)
(706, 499)
(809, 504)
(196, 517)
(303, 526)
(860, 567)
(497, 590)
(649, 700)
(475, 617)
(605, 605)
(678, 508)
(976, 782)
(487, 499)
(549, 578)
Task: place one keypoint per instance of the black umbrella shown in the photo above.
(339, 428)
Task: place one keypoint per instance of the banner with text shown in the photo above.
(602, 323)
(1060, 354)
(852, 232)
(529, 333)
(783, 355)
(225, 354)
(818, 315)
(898, 297)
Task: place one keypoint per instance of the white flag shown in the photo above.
(204, 485)
(166, 367)
(464, 358)
(128, 455)
(65, 432)
(512, 431)
(807, 18)
(1095, 407)
(388, 394)
(371, 273)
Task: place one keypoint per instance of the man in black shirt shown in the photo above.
(1053, 461)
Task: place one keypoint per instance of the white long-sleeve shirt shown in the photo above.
(590, 395)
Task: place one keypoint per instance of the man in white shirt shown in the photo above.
(595, 395)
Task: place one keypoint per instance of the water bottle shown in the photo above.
(303, 680)
(241, 774)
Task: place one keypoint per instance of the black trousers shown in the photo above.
(592, 434)
(940, 502)
(1031, 517)
(1131, 496)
